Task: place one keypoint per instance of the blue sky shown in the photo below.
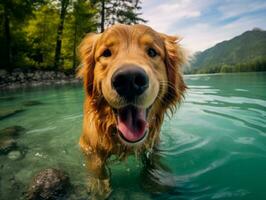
(203, 23)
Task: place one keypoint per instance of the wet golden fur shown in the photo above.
(98, 140)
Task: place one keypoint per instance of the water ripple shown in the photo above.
(180, 149)
(245, 140)
(213, 165)
(41, 130)
(226, 193)
(257, 125)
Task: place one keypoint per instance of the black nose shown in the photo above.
(130, 81)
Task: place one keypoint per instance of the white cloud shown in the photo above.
(202, 32)
(203, 36)
(162, 16)
(239, 7)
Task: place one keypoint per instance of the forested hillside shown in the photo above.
(246, 52)
(44, 34)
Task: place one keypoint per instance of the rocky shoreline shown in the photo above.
(20, 79)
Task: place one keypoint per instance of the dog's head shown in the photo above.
(136, 70)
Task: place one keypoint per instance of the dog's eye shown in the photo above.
(107, 53)
(151, 52)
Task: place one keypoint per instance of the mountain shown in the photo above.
(246, 52)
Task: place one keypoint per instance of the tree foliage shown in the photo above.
(13, 13)
(124, 12)
(41, 37)
(119, 11)
(45, 34)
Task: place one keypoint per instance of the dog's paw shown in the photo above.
(99, 189)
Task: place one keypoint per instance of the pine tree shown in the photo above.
(125, 12)
(120, 11)
(60, 28)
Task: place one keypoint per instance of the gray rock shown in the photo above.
(12, 78)
(14, 155)
(17, 70)
(3, 73)
(21, 76)
(37, 76)
(29, 74)
(52, 184)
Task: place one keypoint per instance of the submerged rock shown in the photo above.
(32, 103)
(8, 139)
(7, 112)
(14, 155)
(52, 184)
(11, 131)
(7, 145)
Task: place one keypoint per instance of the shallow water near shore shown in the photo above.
(215, 144)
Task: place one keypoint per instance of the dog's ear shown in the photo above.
(175, 57)
(86, 52)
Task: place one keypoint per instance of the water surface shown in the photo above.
(215, 145)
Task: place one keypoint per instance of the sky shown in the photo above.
(204, 23)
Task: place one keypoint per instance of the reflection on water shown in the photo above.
(214, 146)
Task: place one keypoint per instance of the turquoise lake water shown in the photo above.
(215, 144)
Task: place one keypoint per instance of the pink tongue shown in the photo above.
(132, 123)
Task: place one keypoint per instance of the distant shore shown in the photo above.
(33, 78)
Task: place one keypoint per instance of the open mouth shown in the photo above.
(132, 123)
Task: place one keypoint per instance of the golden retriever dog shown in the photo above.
(132, 77)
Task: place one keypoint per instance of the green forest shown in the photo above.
(45, 34)
(256, 65)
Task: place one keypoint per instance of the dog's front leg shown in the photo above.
(156, 176)
(99, 180)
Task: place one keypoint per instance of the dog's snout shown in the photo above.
(130, 81)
